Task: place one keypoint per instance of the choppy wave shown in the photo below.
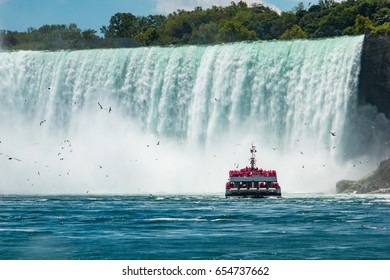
(298, 226)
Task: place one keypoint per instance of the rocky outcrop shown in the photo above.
(377, 182)
(374, 82)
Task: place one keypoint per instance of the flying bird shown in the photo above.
(12, 158)
(100, 105)
(333, 133)
(42, 122)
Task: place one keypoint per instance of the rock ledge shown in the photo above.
(376, 182)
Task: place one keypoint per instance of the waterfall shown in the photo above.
(203, 105)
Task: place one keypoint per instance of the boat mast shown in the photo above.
(253, 157)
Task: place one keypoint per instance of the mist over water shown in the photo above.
(182, 117)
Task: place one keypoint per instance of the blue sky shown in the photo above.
(19, 15)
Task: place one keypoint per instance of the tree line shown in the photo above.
(236, 22)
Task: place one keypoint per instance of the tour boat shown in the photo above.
(253, 181)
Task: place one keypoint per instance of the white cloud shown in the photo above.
(166, 7)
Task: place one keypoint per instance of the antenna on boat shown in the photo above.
(253, 157)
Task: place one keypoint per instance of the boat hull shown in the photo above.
(253, 192)
(256, 187)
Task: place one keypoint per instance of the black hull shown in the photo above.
(253, 193)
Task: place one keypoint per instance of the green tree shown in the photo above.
(236, 22)
(335, 21)
(383, 29)
(89, 34)
(205, 34)
(283, 22)
(295, 32)
(122, 25)
(149, 37)
(177, 28)
(362, 23)
(233, 31)
(264, 25)
(7, 39)
(382, 16)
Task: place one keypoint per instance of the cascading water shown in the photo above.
(202, 105)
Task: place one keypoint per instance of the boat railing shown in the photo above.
(250, 173)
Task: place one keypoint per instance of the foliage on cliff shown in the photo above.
(237, 22)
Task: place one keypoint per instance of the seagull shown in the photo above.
(100, 105)
(158, 143)
(109, 110)
(10, 158)
(42, 122)
(333, 133)
(216, 99)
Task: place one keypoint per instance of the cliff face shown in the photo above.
(377, 182)
(374, 85)
(374, 88)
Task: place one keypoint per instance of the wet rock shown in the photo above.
(376, 182)
(374, 82)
